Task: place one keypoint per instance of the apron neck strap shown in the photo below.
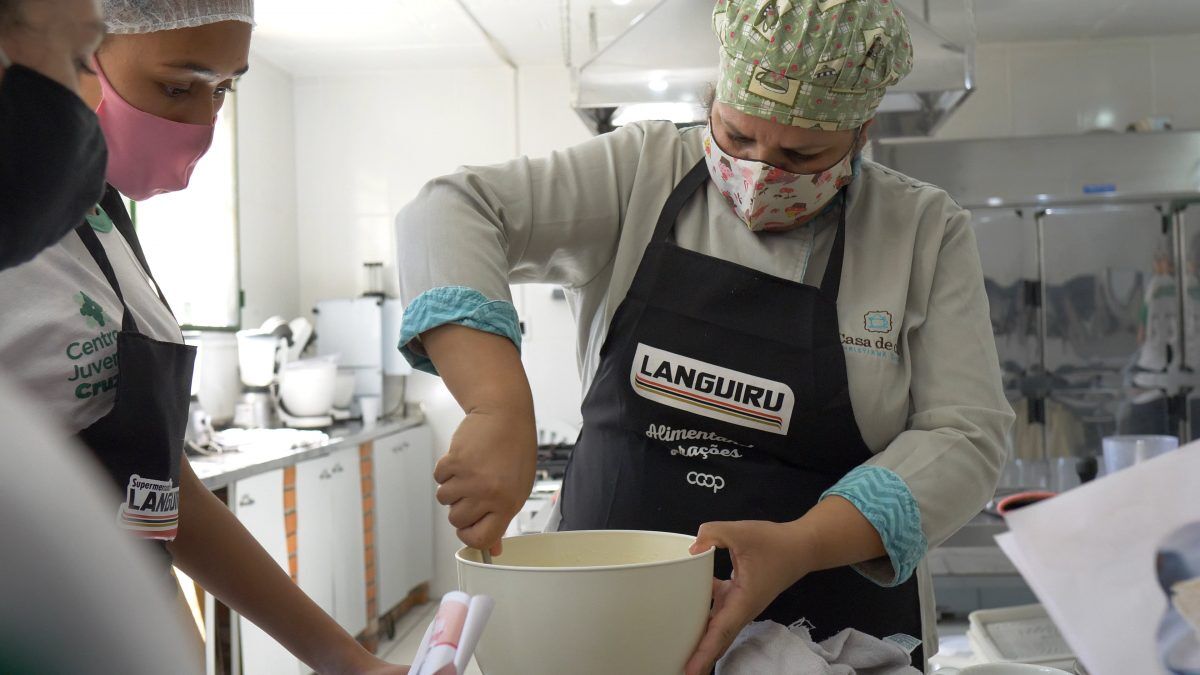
(691, 183)
(115, 208)
(94, 247)
(831, 284)
(698, 177)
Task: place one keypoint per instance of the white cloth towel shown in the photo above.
(768, 648)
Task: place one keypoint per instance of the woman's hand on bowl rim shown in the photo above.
(767, 560)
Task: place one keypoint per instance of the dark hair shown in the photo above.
(10, 14)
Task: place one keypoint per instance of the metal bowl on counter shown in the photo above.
(591, 603)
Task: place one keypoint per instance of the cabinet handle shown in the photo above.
(246, 500)
(324, 475)
(337, 468)
(400, 448)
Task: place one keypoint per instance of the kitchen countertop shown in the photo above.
(218, 471)
(972, 551)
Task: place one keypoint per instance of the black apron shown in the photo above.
(722, 395)
(140, 441)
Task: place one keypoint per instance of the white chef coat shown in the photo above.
(1160, 319)
(921, 358)
(61, 347)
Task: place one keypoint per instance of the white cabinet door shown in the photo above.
(391, 521)
(314, 531)
(258, 504)
(418, 500)
(404, 513)
(349, 573)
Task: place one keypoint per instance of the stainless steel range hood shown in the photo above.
(662, 65)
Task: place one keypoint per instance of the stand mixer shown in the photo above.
(278, 384)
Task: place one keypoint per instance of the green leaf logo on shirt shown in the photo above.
(92, 311)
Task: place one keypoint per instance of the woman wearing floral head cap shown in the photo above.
(786, 349)
(86, 330)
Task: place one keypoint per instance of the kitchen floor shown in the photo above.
(955, 651)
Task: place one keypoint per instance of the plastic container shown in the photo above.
(1064, 474)
(591, 603)
(307, 387)
(258, 354)
(1122, 452)
(1022, 634)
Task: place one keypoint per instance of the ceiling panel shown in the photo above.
(318, 37)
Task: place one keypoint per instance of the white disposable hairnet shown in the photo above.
(124, 17)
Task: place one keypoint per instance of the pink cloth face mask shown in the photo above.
(148, 155)
(767, 198)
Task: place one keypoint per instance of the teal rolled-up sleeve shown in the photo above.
(456, 305)
(886, 501)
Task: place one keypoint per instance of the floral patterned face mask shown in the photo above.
(767, 197)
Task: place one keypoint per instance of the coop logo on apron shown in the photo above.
(151, 508)
(711, 391)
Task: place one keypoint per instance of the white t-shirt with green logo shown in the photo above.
(60, 319)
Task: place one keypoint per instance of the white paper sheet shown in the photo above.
(1089, 554)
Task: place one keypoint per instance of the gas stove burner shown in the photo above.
(552, 461)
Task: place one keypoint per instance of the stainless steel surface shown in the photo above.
(1182, 281)
(1073, 344)
(980, 532)
(218, 471)
(617, 76)
(1047, 171)
(1042, 303)
(487, 556)
(972, 551)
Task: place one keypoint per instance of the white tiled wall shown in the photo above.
(1070, 87)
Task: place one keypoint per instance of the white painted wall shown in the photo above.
(366, 143)
(268, 237)
(547, 122)
(1071, 87)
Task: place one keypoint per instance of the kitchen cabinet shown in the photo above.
(329, 537)
(404, 513)
(258, 504)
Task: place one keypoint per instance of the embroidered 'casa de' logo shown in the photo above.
(878, 322)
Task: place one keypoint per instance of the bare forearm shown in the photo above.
(835, 534)
(218, 552)
(481, 370)
(488, 471)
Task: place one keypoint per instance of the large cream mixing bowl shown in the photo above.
(589, 603)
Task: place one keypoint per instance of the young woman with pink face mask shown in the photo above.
(88, 333)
